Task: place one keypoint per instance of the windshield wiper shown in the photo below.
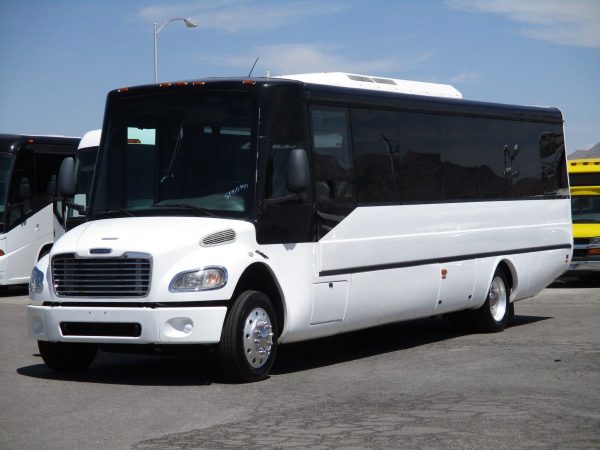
(168, 173)
(185, 206)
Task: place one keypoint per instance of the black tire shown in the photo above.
(67, 356)
(243, 357)
(493, 315)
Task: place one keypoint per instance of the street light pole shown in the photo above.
(189, 22)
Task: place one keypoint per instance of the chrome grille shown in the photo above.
(126, 276)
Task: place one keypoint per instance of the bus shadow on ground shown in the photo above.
(577, 282)
(372, 342)
(160, 369)
(199, 366)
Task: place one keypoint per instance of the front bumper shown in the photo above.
(193, 325)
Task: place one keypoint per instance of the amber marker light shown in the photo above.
(165, 84)
(123, 90)
(248, 82)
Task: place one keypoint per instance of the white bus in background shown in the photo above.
(28, 169)
(84, 162)
(264, 211)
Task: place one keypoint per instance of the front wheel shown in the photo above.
(67, 356)
(495, 312)
(248, 340)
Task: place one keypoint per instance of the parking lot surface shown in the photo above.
(411, 385)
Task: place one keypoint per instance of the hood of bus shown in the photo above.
(152, 235)
(586, 230)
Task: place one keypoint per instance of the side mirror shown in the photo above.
(66, 178)
(24, 189)
(297, 171)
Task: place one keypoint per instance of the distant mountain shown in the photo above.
(593, 152)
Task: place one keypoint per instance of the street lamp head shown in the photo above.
(190, 23)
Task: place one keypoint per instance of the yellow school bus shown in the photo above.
(584, 177)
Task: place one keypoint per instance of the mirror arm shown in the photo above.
(79, 208)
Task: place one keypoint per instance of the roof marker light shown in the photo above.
(123, 90)
(181, 83)
(167, 84)
(248, 82)
(198, 83)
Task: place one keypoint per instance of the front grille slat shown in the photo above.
(126, 276)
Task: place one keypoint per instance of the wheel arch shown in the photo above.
(260, 277)
(44, 250)
(511, 274)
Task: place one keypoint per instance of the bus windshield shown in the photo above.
(586, 208)
(191, 152)
(5, 166)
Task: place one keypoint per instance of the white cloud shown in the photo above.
(567, 22)
(303, 58)
(466, 77)
(235, 16)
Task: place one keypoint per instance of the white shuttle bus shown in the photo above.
(28, 169)
(264, 211)
(84, 163)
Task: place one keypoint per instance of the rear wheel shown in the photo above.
(67, 356)
(248, 341)
(495, 312)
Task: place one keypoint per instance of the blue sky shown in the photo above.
(59, 58)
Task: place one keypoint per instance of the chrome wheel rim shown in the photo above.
(498, 299)
(258, 337)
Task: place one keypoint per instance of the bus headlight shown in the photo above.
(36, 282)
(199, 280)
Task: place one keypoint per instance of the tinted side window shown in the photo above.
(522, 156)
(459, 152)
(376, 150)
(419, 168)
(332, 161)
(553, 160)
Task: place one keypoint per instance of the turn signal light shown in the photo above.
(594, 251)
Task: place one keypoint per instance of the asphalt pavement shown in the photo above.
(419, 384)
